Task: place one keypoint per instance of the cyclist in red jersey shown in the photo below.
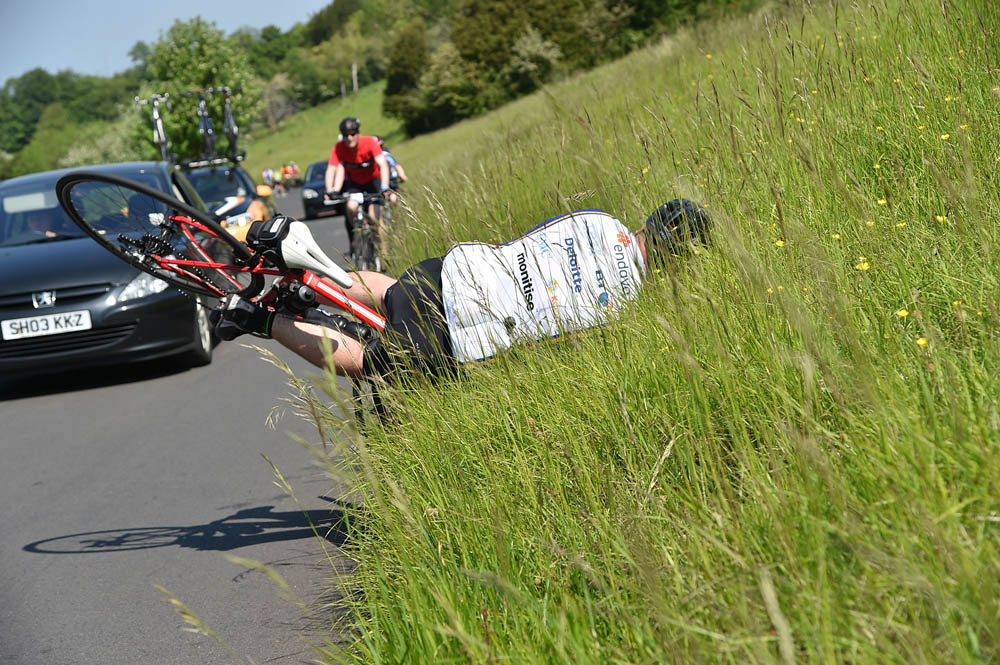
(357, 165)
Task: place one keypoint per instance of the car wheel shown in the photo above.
(308, 214)
(201, 354)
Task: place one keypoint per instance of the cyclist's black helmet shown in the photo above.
(674, 225)
(349, 126)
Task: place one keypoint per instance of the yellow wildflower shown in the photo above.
(945, 137)
(708, 56)
(770, 290)
(900, 225)
(870, 222)
(780, 287)
(902, 313)
(863, 264)
(941, 218)
(836, 236)
(878, 166)
(780, 243)
(922, 341)
(881, 202)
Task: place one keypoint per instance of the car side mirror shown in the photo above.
(263, 191)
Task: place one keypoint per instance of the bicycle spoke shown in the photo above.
(158, 234)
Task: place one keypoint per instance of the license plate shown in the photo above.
(46, 324)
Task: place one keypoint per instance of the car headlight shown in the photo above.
(309, 193)
(142, 286)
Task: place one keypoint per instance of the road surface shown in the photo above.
(114, 481)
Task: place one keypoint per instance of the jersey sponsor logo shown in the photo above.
(604, 299)
(624, 238)
(551, 285)
(543, 248)
(574, 266)
(624, 274)
(526, 286)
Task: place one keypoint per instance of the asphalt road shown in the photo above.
(114, 481)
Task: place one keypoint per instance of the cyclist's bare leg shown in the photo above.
(369, 288)
(375, 219)
(306, 339)
(352, 208)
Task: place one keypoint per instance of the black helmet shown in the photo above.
(349, 126)
(674, 224)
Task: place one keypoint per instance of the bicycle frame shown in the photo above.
(159, 132)
(327, 292)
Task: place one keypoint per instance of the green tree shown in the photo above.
(21, 105)
(323, 24)
(54, 135)
(450, 89)
(532, 62)
(268, 48)
(407, 62)
(192, 56)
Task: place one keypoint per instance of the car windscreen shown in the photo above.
(316, 171)
(30, 213)
(215, 186)
(105, 208)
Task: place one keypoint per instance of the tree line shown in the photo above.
(443, 60)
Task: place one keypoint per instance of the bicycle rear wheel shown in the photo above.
(159, 234)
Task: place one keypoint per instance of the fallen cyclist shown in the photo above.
(568, 274)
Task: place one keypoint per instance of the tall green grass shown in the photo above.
(787, 449)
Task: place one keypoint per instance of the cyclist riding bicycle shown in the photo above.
(357, 165)
(397, 174)
(566, 275)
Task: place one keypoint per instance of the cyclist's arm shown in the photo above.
(334, 177)
(383, 171)
(400, 172)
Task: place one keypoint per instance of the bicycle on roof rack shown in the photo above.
(192, 252)
(210, 156)
(159, 132)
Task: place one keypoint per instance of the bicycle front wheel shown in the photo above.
(158, 234)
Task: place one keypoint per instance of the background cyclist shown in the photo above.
(568, 274)
(396, 173)
(357, 165)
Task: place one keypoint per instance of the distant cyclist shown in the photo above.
(566, 275)
(357, 164)
(396, 173)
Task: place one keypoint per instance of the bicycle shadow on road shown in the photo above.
(244, 528)
(88, 379)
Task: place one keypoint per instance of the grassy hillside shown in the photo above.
(787, 450)
(309, 135)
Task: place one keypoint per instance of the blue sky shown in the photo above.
(94, 36)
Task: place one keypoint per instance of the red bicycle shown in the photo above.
(186, 248)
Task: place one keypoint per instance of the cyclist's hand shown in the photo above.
(239, 316)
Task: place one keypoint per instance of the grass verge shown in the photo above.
(787, 449)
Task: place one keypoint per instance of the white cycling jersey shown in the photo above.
(566, 275)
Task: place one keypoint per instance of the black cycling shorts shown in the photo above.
(373, 187)
(416, 338)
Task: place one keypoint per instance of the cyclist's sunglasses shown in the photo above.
(352, 133)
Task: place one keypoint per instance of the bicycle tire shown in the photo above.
(152, 231)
